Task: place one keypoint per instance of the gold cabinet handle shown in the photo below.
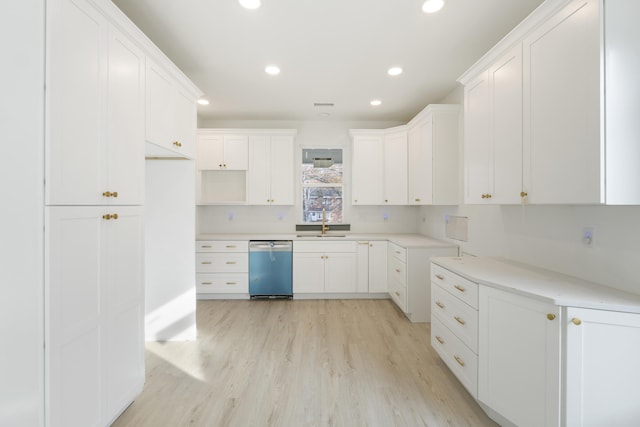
(206, 246)
(207, 283)
(418, 200)
(439, 339)
(232, 283)
(440, 276)
(551, 316)
(231, 246)
(231, 262)
(460, 288)
(576, 321)
(459, 360)
(439, 304)
(206, 262)
(460, 320)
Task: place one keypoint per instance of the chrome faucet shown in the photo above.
(325, 227)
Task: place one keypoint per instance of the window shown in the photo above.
(322, 185)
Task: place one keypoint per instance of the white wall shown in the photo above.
(276, 219)
(550, 236)
(170, 310)
(21, 216)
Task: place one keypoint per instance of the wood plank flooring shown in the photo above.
(300, 363)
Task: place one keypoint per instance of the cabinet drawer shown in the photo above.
(332, 246)
(398, 294)
(397, 271)
(222, 283)
(222, 263)
(457, 285)
(222, 246)
(460, 318)
(462, 361)
(398, 252)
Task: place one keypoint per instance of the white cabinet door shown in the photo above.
(185, 119)
(223, 152)
(362, 267)
(94, 305)
(562, 134)
(340, 272)
(519, 358)
(281, 175)
(76, 85)
(395, 168)
(308, 272)
(210, 152)
(420, 162)
(235, 152)
(477, 141)
(123, 307)
(378, 266)
(445, 154)
(367, 177)
(74, 314)
(506, 128)
(603, 349)
(258, 182)
(125, 122)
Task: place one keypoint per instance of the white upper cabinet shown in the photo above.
(395, 168)
(493, 132)
(170, 123)
(432, 140)
(576, 90)
(367, 181)
(379, 172)
(217, 151)
(271, 170)
(562, 132)
(95, 149)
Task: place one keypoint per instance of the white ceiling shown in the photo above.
(329, 51)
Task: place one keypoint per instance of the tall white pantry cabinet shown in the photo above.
(94, 305)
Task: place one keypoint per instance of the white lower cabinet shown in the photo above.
(94, 313)
(602, 353)
(372, 266)
(324, 267)
(222, 267)
(519, 359)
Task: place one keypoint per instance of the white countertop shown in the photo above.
(404, 240)
(541, 284)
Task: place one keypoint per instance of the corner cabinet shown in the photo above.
(432, 140)
(379, 171)
(548, 109)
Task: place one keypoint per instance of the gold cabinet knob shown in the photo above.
(177, 144)
(576, 321)
(523, 194)
(114, 216)
(114, 194)
(386, 201)
(107, 194)
(551, 316)
(220, 165)
(106, 216)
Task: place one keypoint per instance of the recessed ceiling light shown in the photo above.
(376, 102)
(394, 71)
(203, 101)
(272, 70)
(249, 4)
(431, 6)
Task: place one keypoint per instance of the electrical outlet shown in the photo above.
(587, 237)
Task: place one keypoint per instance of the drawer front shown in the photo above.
(326, 246)
(460, 318)
(397, 271)
(462, 361)
(457, 285)
(398, 252)
(233, 283)
(222, 246)
(398, 294)
(222, 263)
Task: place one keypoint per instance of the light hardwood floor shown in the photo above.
(301, 363)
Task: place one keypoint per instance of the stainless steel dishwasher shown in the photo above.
(270, 269)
